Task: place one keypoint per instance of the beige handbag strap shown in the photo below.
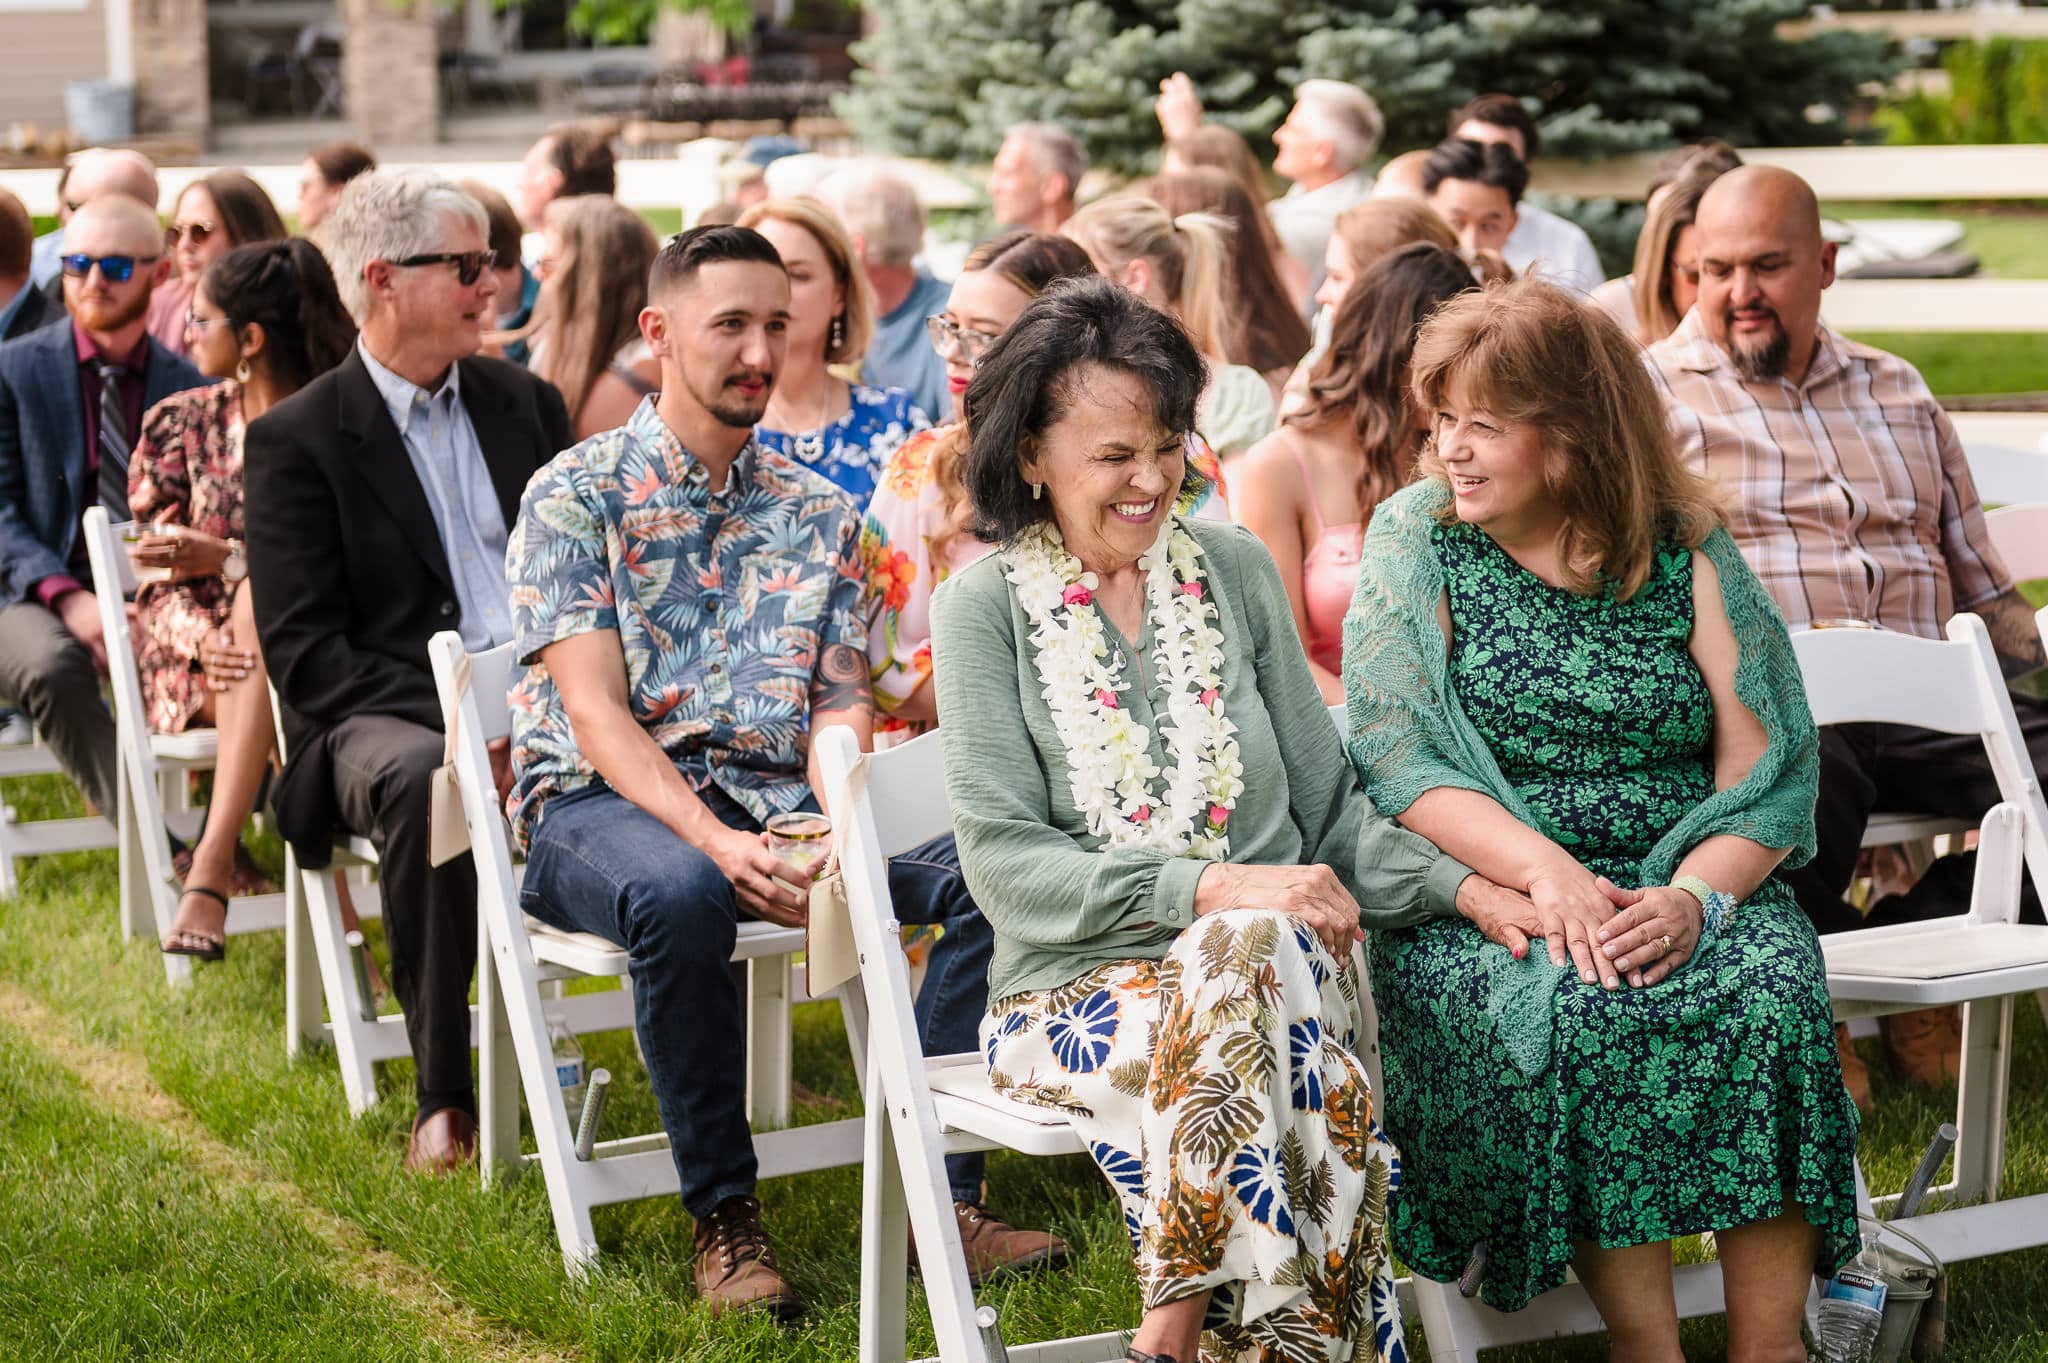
(447, 829)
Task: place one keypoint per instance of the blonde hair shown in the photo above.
(1532, 355)
(857, 320)
(1189, 254)
(1674, 210)
(589, 305)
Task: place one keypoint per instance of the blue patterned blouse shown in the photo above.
(854, 450)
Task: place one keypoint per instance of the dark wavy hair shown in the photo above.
(286, 288)
(1361, 382)
(1025, 383)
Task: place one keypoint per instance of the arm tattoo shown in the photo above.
(2010, 622)
(841, 680)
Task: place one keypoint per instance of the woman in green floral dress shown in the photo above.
(1559, 670)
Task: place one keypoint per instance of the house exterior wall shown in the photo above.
(46, 43)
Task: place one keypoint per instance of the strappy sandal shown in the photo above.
(191, 942)
(1137, 1355)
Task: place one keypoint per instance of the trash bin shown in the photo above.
(100, 111)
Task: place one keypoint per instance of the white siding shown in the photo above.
(41, 49)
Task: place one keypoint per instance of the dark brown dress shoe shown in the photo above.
(993, 1246)
(735, 1268)
(441, 1142)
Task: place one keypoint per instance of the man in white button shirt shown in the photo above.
(378, 501)
(1555, 248)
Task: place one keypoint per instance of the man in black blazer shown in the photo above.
(72, 397)
(378, 501)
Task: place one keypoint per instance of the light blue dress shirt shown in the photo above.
(442, 445)
(46, 257)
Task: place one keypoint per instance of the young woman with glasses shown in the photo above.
(917, 534)
(210, 218)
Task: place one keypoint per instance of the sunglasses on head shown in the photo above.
(114, 269)
(468, 264)
(196, 232)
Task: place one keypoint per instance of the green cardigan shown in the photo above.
(1059, 904)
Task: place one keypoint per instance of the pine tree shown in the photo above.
(943, 78)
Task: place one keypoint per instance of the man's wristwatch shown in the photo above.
(234, 569)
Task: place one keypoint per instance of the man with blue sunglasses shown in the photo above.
(71, 404)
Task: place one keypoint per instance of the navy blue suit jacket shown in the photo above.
(43, 487)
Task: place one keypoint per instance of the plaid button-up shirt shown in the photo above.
(1848, 491)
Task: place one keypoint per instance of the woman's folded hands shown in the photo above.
(1310, 893)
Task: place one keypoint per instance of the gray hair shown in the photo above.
(881, 208)
(389, 215)
(1347, 116)
(1055, 151)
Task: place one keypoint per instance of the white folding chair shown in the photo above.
(1980, 959)
(21, 837)
(521, 954)
(155, 773)
(2020, 534)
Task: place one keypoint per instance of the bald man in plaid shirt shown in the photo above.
(1850, 496)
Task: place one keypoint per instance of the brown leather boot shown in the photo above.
(994, 1247)
(1925, 1047)
(1855, 1074)
(735, 1268)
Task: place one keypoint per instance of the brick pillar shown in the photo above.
(391, 86)
(171, 84)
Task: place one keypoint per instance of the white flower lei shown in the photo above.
(1109, 753)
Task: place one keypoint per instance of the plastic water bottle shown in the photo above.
(569, 1070)
(1852, 1307)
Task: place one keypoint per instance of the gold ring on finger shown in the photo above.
(1667, 941)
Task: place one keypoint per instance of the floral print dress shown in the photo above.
(186, 470)
(854, 450)
(1705, 1101)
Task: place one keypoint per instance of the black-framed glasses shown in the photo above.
(945, 334)
(469, 265)
(196, 231)
(113, 269)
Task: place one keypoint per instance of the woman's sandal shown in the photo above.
(190, 942)
(1137, 1355)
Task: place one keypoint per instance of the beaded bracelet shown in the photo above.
(1716, 908)
(1694, 886)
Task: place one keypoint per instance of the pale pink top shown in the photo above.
(1329, 575)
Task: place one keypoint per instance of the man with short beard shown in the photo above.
(1850, 495)
(688, 606)
(71, 403)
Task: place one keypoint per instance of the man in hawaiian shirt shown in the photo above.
(687, 603)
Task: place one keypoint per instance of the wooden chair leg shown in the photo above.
(885, 1241)
(1981, 1098)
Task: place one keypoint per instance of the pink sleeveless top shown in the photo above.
(1329, 575)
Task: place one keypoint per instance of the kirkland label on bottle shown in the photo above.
(1857, 1287)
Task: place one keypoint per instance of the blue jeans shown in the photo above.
(599, 863)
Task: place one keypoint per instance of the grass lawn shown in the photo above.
(178, 1190)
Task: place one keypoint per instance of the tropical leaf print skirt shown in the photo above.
(1219, 1095)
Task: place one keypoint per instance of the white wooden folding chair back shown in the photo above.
(21, 837)
(2005, 474)
(1980, 959)
(154, 772)
(1953, 686)
(2020, 534)
(519, 954)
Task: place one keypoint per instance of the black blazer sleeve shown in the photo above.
(302, 595)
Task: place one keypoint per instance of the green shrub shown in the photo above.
(1998, 92)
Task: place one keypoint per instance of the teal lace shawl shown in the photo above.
(1408, 733)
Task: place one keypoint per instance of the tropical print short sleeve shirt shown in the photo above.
(722, 599)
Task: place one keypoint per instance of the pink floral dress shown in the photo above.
(186, 470)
